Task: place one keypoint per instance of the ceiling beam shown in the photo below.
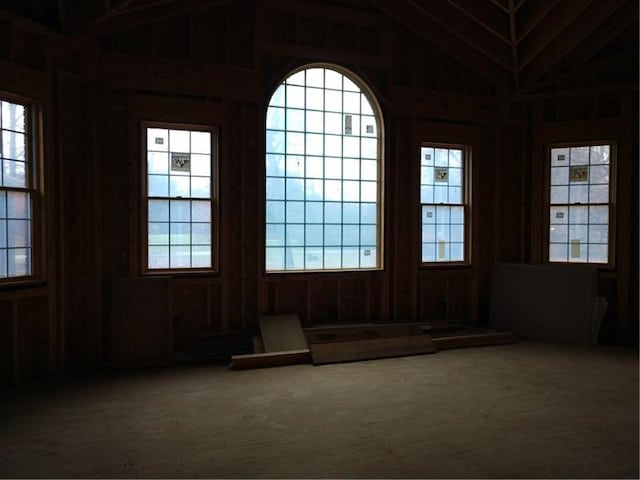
(435, 34)
(136, 17)
(514, 47)
(614, 26)
(486, 15)
(501, 5)
(529, 17)
(466, 29)
(577, 32)
(555, 22)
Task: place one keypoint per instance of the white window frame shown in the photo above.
(428, 238)
(213, 221)
(30, 213)
(575, 246)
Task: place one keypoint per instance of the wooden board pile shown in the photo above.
(283, 341)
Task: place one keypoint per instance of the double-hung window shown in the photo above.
(443, 201)
(580, 201)
(17, 188)
(180, 197)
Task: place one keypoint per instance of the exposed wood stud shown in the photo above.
(514, 48)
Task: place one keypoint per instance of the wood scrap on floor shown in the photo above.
(472, 338)
(270, 359)
(370, 348)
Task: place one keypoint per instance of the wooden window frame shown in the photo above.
(467, 150)
(213, 199)
(613, 155)
(35, 189)
(377, 113)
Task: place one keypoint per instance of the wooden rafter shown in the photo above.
(614, 26)
(140, 16)
(514, 47)
(466, 29)
(556, 21)
(578, 31)
(501, 5)
(486, 15)
(532, 15)
(434, 33)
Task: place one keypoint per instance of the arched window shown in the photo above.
(323, 173)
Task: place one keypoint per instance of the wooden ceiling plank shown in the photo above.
(532, 15)
(466, 29)
(434, 33)
(614, 26)
(136, 18)
(578, 31)
(486, 15)
(555, 22)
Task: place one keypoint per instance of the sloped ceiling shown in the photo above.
(513, 43)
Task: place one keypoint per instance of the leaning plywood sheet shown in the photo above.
(281, 333)
(349, 351)
(544, 302)
(271, 359)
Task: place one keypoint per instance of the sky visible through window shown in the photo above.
(322, 175)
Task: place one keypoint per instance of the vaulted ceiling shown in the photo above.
(517, 43)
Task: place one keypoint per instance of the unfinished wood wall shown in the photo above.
(218, 66)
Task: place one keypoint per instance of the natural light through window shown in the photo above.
(15, 191)
(323, 185)
(579, 203)
(442, 198)
(180, 198)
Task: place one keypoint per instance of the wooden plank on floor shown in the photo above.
(360, 332)
(270, 359)
(473, 340)
(371, 348)
(282, 333)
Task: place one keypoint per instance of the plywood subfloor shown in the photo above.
(523, 410)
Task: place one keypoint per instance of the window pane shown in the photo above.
(13, 116)
(295, 120)
(14, 145)
(157, 139)
(201, 142)
(180, 256)
(158, 211)
(158, 233)
(158, 186)
(275, 188)
(179, 141)
(19, 262)
(158, 257)
(201, 257)
(18, 205)
(158, 162)
(180, 210)
(294, 235)
(201, 233)
(274, 258)
(18, 234)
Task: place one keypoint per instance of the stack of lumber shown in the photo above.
(284, 342)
